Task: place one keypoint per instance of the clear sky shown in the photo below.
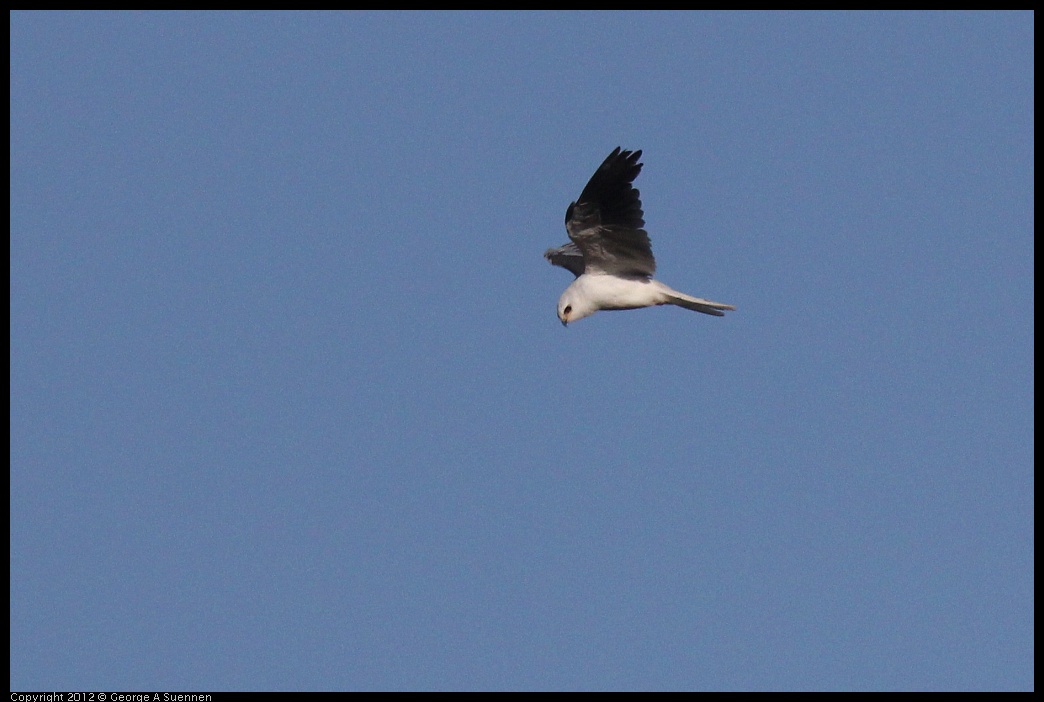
(291, 408)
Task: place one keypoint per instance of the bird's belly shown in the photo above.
(615, 293)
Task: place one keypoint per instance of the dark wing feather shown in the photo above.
(567, 256)
(606, 222)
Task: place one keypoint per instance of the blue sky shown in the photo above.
(291, 408)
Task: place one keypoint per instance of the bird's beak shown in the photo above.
(565, 323)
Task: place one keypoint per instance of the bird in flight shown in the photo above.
(609, 251)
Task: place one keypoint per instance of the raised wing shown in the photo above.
(606, 222)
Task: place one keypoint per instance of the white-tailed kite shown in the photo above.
(609, 252)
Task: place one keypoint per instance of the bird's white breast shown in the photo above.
(610, 292)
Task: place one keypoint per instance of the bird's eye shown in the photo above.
(568, 309)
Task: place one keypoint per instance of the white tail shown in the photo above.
(697, 304)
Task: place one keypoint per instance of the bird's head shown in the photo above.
(573, 306)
